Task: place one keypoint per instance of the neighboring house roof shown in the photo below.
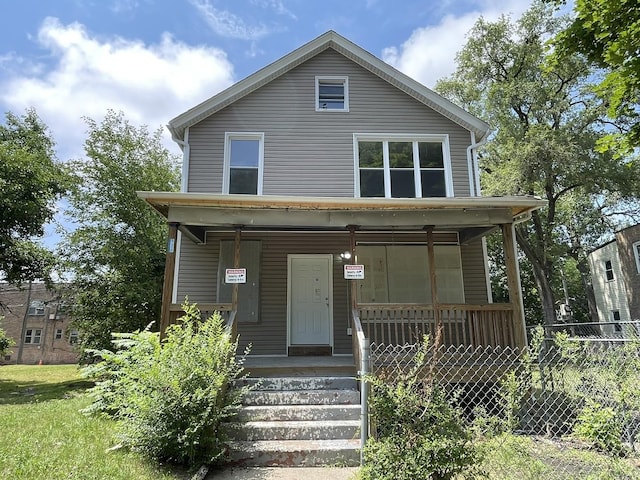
(350, 50)
(615, 239)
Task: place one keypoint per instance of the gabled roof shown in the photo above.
(350, 50)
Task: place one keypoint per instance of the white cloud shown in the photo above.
(429, 53)
(150, 83)
(277, 5)
(228, 24)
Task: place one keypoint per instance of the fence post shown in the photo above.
(364, 398)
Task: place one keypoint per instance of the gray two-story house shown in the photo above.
(344, 196)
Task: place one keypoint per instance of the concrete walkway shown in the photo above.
(291, 473)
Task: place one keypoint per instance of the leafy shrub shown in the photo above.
(170, 396)
(5, 342)
(600, 426)
(420, 434)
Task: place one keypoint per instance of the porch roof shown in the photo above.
(471, 216)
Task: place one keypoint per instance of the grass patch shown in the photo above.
(31, 383)
(532, 458)
(45, 437)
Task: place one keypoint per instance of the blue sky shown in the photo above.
(154, 59)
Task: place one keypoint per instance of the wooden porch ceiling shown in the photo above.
(473, 217)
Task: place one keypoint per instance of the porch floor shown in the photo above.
(300, 366)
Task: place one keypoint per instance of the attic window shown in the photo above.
(332, 94)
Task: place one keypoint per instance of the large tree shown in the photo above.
(31, 181)
(607, 32)
(116, 252)
(546, 125)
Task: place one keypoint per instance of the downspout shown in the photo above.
(472, 164)
(474, 190)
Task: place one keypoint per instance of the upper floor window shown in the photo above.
(243, 163)
(33, 335)
(36, 307)
(332, 94)
(402, 167)
(636, 254)
(608, 270)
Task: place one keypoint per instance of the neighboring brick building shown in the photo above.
(37, 320)
(615, 272)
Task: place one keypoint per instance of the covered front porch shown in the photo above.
(382, 234)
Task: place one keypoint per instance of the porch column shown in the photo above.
(432, 276)
(169, 275)
(236, 264)
(513, 282)
(353, 286)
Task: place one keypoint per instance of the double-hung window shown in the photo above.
(36, 307)
(402, 167)
(636, 255)
(332, 94)
(608, 270)
(32, 336)
(243, 160)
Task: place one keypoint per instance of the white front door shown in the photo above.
(310, 302)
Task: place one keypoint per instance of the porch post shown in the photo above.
(353, 286)
(169, 275)
(236, 264)
(432, 275)
(513, 282)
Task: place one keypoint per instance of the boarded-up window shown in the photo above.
(248, 293)
(400, 274)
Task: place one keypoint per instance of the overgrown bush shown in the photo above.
(419, 433)
(5, 342)
(169, 397)
(600, 426)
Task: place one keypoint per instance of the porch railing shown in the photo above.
(206, 310)
(463, 325)
(361, 357)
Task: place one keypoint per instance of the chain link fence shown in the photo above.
(565, 408)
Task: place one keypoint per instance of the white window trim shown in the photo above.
(395, 137)
(345, 80)
(38, 307)
(613, 275)
(636, 254)
(228, 136)
(33, 336)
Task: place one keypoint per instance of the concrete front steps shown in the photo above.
(297, 421)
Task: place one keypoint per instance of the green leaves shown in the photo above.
(31, 181)
(169, 398)
(116, 250)
(548, 125)
(608, 35)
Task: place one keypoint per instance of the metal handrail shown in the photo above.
(361, 354)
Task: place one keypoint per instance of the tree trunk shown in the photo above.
(585, 278)
(542, 275)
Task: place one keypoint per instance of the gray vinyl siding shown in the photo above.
(475, 279)
(310, 153)
(199, 265)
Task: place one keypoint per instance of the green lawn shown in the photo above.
(45, 437)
